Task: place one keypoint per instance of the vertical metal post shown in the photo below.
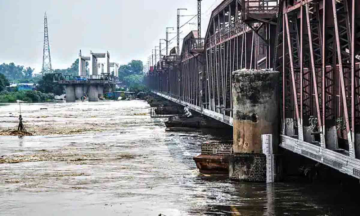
(155, 56)
(323, 59)
(178, 29)
(301, 135)
(313, 69)
(152, 58)
(291, 64)
(199, 20)
(160, 51)
(167, 43)
(352, 52)
(342, 81)
(178, 32)
(167, 39)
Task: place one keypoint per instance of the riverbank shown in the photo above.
(26, 96)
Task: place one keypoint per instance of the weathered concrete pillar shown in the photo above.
(79, 92)
(256, 111)
(86, 90)
(100, 90)
(93, 65)
(93, 93)
(70, 93)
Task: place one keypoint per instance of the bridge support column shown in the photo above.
(100, 90)
(86, 88)
(256, 112)
(79, 92)
(70, 93)
(93, 93)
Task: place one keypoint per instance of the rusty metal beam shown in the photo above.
(342, 82)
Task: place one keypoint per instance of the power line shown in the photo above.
(188, 21)
(210, 8)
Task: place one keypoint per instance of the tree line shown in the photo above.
(16, 73)
(130, 74)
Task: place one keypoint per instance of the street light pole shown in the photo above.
(199, 19)
(178, 28)
(152, 58)
(160, 50)
(167, 39)
(155, 55)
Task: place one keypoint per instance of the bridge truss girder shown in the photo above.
(318, 55)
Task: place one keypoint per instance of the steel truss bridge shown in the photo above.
(315, 44)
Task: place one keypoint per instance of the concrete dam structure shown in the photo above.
(94, 84)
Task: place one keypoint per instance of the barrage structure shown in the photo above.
(94, 84)
(314, 44)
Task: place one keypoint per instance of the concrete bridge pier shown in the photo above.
(93, 93)
(70, 93)
(100, 90)
(256, 98)
(86, 89)
(79, 92)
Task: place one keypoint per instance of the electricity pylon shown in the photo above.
(46, 67)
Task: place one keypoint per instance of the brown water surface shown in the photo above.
(111, 158)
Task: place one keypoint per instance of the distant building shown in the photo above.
(22, 87)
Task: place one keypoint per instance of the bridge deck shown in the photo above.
(215, 115)
(339, 161)
(86, 82)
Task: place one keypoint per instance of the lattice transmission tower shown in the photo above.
(46, 67)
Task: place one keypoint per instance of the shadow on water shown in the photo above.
(248, 199)
(225, 197)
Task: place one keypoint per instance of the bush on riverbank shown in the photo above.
(27, 96)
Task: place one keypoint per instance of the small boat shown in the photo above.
(183, 121)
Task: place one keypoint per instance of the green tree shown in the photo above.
(135, 67)
(3, 82)
(47, 85)
(16, 73)
(132, 75)
(28, 73)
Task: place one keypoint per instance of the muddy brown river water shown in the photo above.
(111, 158)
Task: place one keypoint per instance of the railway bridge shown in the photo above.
(309, 51)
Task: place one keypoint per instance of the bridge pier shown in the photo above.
(70, 93)
(79, 92)
(256, 112)
(93, 93)
(100, 90)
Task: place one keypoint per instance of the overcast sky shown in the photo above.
(128, 29)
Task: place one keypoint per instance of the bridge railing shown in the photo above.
(259, 8)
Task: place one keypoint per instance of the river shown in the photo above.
(111, 158)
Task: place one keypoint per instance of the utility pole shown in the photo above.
(160, 47)
(178, 29)
(46, 67)
(160, 50)
(167, 39)
(155, 56)
(199, 18)
(152, 58)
